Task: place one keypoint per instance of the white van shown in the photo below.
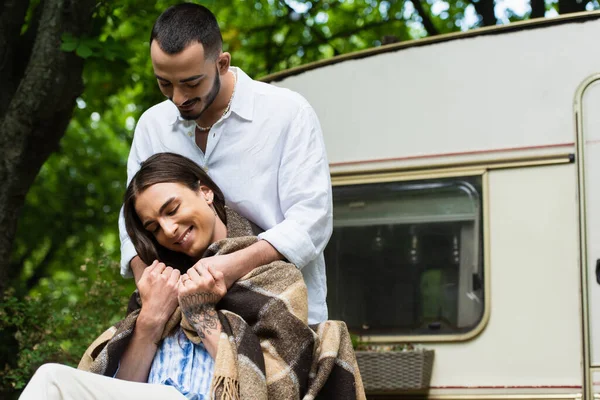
(466, 181)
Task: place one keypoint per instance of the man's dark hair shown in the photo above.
(180, 25)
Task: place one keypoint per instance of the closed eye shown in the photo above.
(164, 84)
(173, 211)
(153, 228)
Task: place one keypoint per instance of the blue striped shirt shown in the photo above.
(184, 365)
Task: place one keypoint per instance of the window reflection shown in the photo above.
(406, 258)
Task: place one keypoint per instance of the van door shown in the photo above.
(588, 107)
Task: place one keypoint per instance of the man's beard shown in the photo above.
(209, 99)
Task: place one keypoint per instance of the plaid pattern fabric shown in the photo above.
(266, 349)
(103, 355)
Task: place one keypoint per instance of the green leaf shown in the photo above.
(68, 46)
(68, 37)
(69, 42)
(84, 51)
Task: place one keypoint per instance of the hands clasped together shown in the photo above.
(197, 292)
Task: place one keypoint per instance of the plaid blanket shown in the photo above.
(266, 349)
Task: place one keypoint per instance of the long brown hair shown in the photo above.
(165, 168)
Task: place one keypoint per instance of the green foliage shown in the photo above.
(85, 47)
(74, 202)
(61, 318)
(71, 212)
(77, 195)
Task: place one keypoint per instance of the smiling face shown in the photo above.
(190, 80)
(180, 219)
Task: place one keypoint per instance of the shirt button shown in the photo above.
(205, 169)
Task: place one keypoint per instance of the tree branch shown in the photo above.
(571, 6)
(485, 9)
(39, 112)
(325, 39)
(538, 9)
(342, 34)
(427, 23)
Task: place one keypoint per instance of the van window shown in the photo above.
(405, 258)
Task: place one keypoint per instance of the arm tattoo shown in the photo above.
(199, 309)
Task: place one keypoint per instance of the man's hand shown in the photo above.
(224, 264)
(235, 265)
(137, 267)
(158, 291)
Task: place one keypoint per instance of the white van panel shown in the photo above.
(533, 337)
(502, 91)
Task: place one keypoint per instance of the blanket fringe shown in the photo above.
(230, 388)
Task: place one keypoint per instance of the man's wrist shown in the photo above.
(137, 267)
(264, 253)
(230, 275)
(149, 328)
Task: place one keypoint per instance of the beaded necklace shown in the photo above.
(207, 128)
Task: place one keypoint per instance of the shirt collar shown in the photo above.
(243, 98)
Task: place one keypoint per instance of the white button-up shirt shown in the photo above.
(268, 157)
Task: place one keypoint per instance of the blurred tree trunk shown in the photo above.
(40, 85)
(571, 6)
(427, 23)
(538, 8)
(485, 9)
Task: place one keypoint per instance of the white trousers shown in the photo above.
(59, 382)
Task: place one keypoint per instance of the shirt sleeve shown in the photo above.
(140, 150)
(304, 192)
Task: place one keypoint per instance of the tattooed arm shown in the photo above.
(199, 292)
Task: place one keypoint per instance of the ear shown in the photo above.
(207, 193)
(223, 63)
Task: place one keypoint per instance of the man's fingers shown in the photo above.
(208, 276)
(151, 267)
(200, 267)
(147, 271)
(194, 275)
(174, 278)
(159, 268)
(182, 279)
(220, 286)
(217, 275)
